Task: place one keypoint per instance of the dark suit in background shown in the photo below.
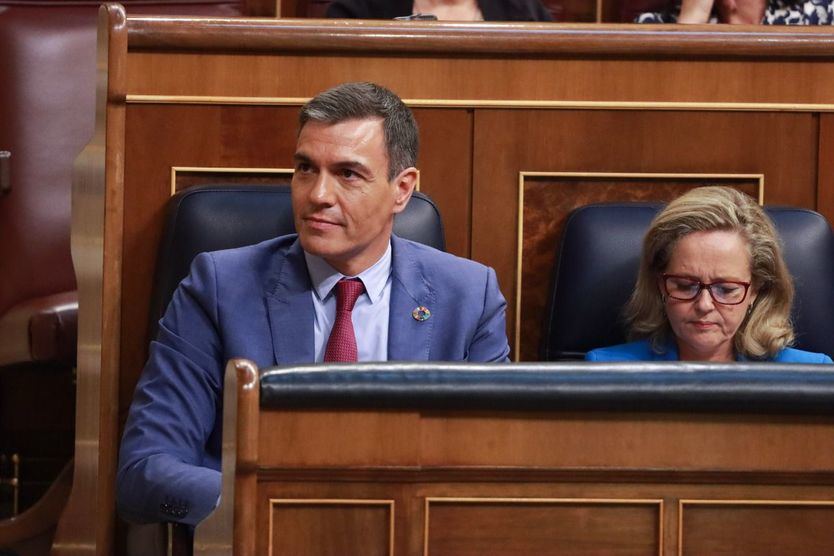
(492, 10)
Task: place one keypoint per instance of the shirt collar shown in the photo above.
(324, 277)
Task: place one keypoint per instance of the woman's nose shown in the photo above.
(704, 300)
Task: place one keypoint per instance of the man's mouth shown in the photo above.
(319, 223)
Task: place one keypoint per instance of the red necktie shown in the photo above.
(341, 346)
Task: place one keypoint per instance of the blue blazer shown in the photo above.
(642, 351)
(256, 302)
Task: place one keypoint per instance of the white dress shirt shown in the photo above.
(370, 314)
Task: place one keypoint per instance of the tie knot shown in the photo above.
(348, 291)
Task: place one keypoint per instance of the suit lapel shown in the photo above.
(290, 309)
(409, 339)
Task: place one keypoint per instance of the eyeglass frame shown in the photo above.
(703, 286)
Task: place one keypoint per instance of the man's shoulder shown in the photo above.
(263, 250)
(434, 259)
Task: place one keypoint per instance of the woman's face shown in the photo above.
(704, 329)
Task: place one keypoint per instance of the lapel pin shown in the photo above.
(421, 313)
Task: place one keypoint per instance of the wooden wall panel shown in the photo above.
(441, 76)
(337, 527)
(546, 528)
(763, 528)
(508, 142)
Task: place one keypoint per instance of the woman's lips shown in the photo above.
(703, 325)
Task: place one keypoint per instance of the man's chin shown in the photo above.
(319, 246)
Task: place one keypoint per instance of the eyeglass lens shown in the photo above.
(727, 293)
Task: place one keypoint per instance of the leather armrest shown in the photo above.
(43, 330)
(771, 388)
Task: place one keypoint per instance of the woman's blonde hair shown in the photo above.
(767, 328)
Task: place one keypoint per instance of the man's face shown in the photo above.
(343, 202)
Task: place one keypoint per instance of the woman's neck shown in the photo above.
(724, 354)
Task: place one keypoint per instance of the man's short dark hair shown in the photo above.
(352, 101)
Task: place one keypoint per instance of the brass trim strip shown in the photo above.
(223, 170)
(522, 175)
(497, 103)
(740, 502)
(746, 502)
(391, 504)
(658, 502)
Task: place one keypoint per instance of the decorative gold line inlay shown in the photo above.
(745, 502)
(596, 175)
(542, 501)
(498, 103)
(221, 170)
(522, 500)
(390, 504)
(741, 502)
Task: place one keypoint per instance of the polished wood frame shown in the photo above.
(585, 458)
(543, 501)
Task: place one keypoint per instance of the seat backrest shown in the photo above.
(597, 268)
(213, 217)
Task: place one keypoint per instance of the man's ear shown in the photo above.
(404, 182)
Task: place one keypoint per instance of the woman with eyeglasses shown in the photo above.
(712, 286)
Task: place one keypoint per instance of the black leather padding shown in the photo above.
(214, 217)
(598, 262)
(768, 388)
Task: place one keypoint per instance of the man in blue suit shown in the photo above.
(276, 302)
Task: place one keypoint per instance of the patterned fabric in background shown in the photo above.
(778, 12)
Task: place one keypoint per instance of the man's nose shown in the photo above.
(324, 189)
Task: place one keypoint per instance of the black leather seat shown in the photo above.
(208, 218)
(597, 268)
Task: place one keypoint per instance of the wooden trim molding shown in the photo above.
(283, 172)
(96, 243)
(173, 33)
(500, 104)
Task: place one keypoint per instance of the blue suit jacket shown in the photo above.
(256, 302)
(642, 351)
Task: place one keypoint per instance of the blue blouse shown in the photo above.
(641, 350)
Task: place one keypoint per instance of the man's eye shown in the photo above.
(348, 174)
(303, 167)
